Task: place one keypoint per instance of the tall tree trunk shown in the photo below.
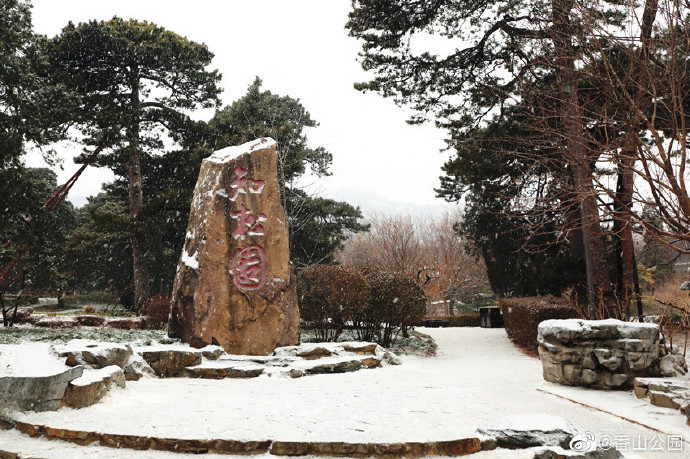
(136, 203)
(622, 230)
(625, 250)
(575, 246)
(599, 288)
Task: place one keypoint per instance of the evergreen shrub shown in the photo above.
(523, 315)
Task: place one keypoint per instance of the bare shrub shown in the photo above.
(329, 296)
(157, 309)
(395, 303)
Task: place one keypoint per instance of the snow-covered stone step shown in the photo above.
(318, 350)
(93, 385)
(339, 364)
(38, 392)
(665, 392)
(220, 369)
(168, 363)
(456, 447)
(93, 354)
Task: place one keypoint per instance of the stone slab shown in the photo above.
(36, 393)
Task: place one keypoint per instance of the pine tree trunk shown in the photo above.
(600, 292)
(622, 229)
(136, 203)
(628, 287)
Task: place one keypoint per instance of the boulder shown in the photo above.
(673, 365)
(603, 354)
(88, 320)
(234, 285)
(94, 354)
(527, 430)
(93, 385)
(314, 353)
(386, 356)
(225, 369)
(212, 352)
(361, 348)
(136, 368)
(335, 366)
(169, 363)
(55, 322)
(36, 393)
(127, 323)
(664, 399)
(553, 452)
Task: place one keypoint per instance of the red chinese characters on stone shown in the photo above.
(247, 224)
(248, 266)
(242, 184)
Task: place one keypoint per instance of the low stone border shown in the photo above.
(458, 447)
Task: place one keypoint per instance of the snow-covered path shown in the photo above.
(478, 376)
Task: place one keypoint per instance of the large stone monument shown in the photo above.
(234, 285)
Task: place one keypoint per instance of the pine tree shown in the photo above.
(136, 80)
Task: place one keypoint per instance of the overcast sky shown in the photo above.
(299, 48)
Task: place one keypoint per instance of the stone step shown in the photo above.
(225, 369)
(665, 392)
(36, 393)
(93, 354)
(455, 447)
(169, 363)
(93, 385)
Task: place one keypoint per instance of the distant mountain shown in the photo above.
(372, 203)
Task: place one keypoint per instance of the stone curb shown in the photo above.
(458, 447)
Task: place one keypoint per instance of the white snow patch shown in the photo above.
(229, 153)
(29, 359)
(90, 375)
(96, 348)
(552, 325)
(190, 260)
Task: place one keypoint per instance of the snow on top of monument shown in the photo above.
(229, 153)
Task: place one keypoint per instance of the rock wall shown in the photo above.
(604, 354)
(234, 285)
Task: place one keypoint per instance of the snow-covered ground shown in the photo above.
(477, 377)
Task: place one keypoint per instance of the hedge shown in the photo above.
(461, 320)
(465, 320)
(523, 315)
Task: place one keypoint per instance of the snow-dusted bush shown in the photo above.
(330, 296)
(396, 301)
